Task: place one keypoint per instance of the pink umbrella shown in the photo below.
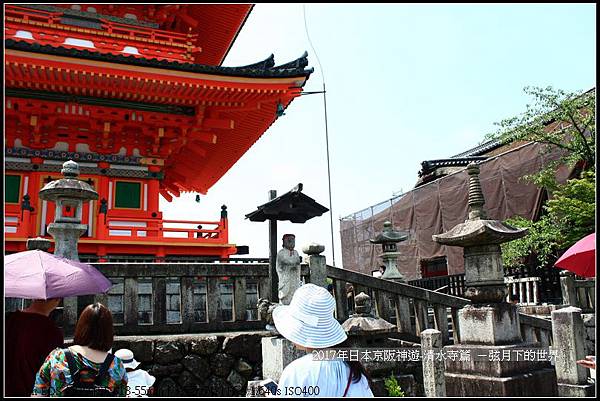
(581, 257)
(40, 275)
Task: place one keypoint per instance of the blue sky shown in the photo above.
(405, 83)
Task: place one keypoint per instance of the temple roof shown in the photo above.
(261, 69)
(198, 120)
(480, 149)
(428, 166)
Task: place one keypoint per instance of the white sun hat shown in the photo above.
(308, 319)
(126, 356)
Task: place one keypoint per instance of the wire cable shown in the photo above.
(326, 131)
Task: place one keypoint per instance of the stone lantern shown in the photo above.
(489, 324)
(367, 331)
(68, 193)
(388, 239)
(363, 328)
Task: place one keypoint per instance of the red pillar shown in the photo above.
(223, 226)
(102, 225)
(153, 193)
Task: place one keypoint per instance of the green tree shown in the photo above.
(560, 120)
(568, 217)
(565, 121)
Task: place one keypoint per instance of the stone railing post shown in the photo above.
(569, 342)
(536, 291)
(434, 381)
(567, 287)
(316, 264)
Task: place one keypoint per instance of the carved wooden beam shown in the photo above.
(197, 136)
(218, 123)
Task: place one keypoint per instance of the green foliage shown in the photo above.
(566, 121)
(392, 386)
(558, 119)
(573, 208)
(569, 216)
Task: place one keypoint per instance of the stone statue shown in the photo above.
(288, 269)
(265, 313)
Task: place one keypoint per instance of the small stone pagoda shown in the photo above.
(69, 194)
(489, 324)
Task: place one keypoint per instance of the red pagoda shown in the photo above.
(136, 95)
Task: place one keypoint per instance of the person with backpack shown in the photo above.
(85, 369)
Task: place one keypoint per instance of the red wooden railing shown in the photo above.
(159, 229)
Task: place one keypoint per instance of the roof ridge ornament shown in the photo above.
(265, 64)
(300, 62)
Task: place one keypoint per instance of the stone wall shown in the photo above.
(221, 364)
(198, 364)
(589, 323)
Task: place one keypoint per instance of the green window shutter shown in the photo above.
(12, 189)
(128, 195)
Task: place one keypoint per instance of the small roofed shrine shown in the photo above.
(137, 95)
(292, 206)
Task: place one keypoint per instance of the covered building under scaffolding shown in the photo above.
(439, 202)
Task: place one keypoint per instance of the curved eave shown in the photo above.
(479, 232)
(296, 70)
(384, 239)
(230, 147)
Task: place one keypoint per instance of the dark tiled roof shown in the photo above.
(292, 206)
(263, 69)
(88, 15)
(428, 166)
(480, 149)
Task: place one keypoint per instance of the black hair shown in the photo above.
(356, 368)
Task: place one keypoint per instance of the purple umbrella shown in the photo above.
(40, 275)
